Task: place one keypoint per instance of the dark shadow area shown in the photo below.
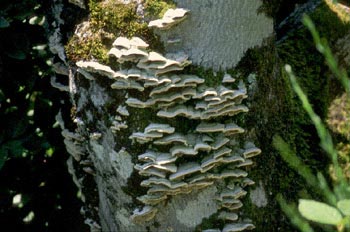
(36, 191)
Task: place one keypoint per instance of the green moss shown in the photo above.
(273, 109)
(210, 223)
(86, 49)
(299, 51)
(108, 20)
(114, 17)
(134, 180)
(157, 8)
(278, 9)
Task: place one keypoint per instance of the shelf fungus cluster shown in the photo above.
(118, 123)
(179, 162)
(229, 202)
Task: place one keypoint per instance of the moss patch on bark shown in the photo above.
(275, 109)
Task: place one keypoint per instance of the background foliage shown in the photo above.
(36, 192)
(331, 209)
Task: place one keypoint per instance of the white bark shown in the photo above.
(218, 33)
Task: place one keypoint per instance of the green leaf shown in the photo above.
(344, 206)
(291, 211)
(4, 23)
(319, 212)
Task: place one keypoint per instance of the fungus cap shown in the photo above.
(123, 111)
(132, 54)
(153, 199)
(122, 42)
(172, 138)
(146, 214)
(222, 152)
(160, 128)
(151, 172)
(157, 157)
(251, 152)
(229, 216)
(220, 141)
(237, 173)
(130, 84)
(228, 78)
(95, 67)
(205, 127)
(235, 227)
(246, 162)
(178, 150)
(185, 169)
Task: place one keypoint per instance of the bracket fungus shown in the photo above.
(160, 128)
(122, 84)
(233, 173)
(95, 67)
(229, 216)
(146, 214)
(157, 157)
(185, 169)
(177, 163)
(238, 227)
(145, 137)
(169, 167)
(170, 18)
(178, 150)
(123, 42)
(202, 146)
(123, 111)
(129, 50)
(152, 199)
(246, 181)
(220, 141)
(173, 138)
(179, 110)
(95, 136)
(250, 151)
(153, 171)
(228, 78)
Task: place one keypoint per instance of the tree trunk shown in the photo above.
(223, 40)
